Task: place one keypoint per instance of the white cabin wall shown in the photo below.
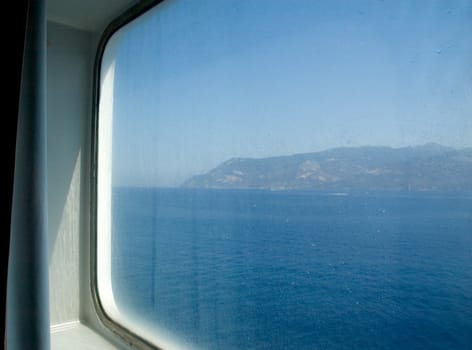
(70, 59)
(69, 109)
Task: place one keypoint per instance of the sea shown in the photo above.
(260, 269)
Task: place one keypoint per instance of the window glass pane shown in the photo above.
(289, 174)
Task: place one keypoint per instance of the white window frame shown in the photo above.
(133, 332)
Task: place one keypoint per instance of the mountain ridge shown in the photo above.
(428, 167)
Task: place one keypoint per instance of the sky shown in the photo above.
(199, 82)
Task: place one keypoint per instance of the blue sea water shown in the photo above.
(228, 269)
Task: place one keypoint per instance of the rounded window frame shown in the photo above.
(128, 16)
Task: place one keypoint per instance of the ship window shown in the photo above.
(292, 174)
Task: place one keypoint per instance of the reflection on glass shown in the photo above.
(295, 175)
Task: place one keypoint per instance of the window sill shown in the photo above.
(76, 336)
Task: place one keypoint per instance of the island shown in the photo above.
(429, 167)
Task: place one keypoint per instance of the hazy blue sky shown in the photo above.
(199, 82)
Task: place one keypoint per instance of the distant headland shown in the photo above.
(429, 167)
